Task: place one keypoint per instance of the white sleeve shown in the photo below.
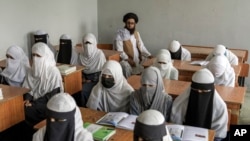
(233, 59)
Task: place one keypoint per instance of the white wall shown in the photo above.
(20, 18)
(194, 22)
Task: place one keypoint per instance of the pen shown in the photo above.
(201, 136)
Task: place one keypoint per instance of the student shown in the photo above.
(222, 50)
(164, 63)
(112, 92)
(150, 126)
(17, 65)
(44, 80)
(42, 36)
(63, 114)
(128, 41)
(67, 54)
(201, 105)
(92, 59)
(151, 95)
(178, 52)
(222, 70)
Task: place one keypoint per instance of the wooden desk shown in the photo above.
(11, 106)
(105, 46)
(186, 70)
(111, 54)
(92, 116)
(233, 96)
(72, 82)
(201, 52)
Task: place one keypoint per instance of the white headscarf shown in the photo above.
(61, 103)
(112, 99)
(41, 32)
(16, 68)
(219, 115)
(222, 70)
(219, 50)
(153, 118)
(44, 76)
(174, 46)
(92, 58)
(165, 69)
(151, 97)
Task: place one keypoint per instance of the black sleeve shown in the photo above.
(27, 96)
(3, 80)
(47, 96)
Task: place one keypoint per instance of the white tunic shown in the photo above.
(16, 68)
(115, 98)
(168, 71)
(44, 76)
(123, 35)
(222, 70)
(185, 54)
(219, 117)
(232, 58)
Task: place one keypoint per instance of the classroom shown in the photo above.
(199, 23)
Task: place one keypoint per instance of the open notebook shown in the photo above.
(118, 119)
(187, 133)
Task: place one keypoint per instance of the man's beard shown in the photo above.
(131, 31)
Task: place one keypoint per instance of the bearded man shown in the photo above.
(128, 41)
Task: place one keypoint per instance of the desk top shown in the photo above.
(10, 92)
(231, 95)
(78, 67)
(186, 66)
(92, 116)
(240, 53)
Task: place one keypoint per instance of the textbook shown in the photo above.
(100, 133)
(199, 62)
(119, 119)
(187, 133)
(66, 69)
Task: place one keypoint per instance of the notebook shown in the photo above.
(100, 133)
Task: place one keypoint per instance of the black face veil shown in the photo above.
(65, 51)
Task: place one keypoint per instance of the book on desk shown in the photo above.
(66, 69)
(199, 62)
(118, 119)
(100, 133)
(187, 133)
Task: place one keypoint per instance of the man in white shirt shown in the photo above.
(129, 42)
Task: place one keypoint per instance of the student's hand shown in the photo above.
(131, 62)
(27, 103)
(150, 57)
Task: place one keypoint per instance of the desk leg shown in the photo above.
(235, 116)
